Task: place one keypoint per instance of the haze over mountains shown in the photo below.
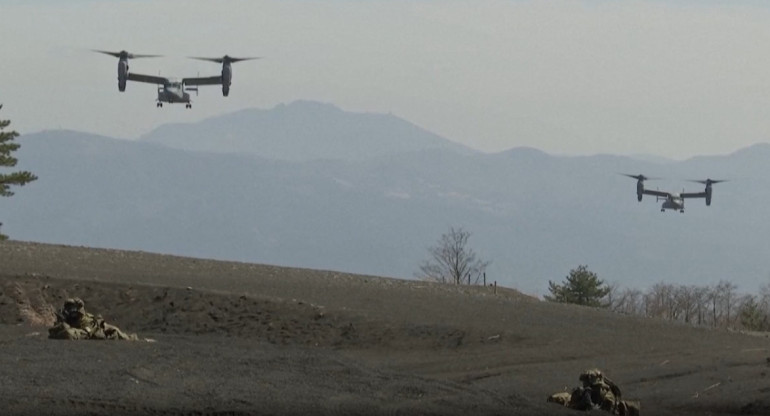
(300, 131)
(310, 185)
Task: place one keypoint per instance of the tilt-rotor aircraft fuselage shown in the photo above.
(673, 200)
(171, 90)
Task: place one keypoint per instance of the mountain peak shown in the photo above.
(754, 149)
(308, 105)
(303, 130)
(526, 152)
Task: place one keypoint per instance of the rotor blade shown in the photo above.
(638, 177)
(708, 181)
(127, 54)
(244, 59)
(137, 55)
(115, 54)
(223, 59)
(217, 60)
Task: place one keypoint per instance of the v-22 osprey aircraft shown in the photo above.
(672, 200)
(172, 90)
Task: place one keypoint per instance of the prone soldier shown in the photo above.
(73, 322)
(596, 392)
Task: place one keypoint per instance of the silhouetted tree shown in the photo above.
(701, 296)
(660, 301)
(752, 316)
(626, 301)
(7, 147)
(718, 305)
(729, 298)
(452, 261)
(581, 287)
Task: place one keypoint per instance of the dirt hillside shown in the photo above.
(235, 338)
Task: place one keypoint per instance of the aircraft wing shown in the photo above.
(151, 79)
(657, 193)
(215, 80)
(693, 195)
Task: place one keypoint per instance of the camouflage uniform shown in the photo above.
(73, 322)
(596, 392)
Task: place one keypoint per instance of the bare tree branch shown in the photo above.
(452, 261)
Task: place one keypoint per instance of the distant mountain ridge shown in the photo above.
(534, 215)
(300, 131)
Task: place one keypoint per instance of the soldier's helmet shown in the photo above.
(74, 307)
(591, 377)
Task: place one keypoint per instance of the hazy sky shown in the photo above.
(671, 78)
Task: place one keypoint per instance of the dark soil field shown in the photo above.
(223, 338)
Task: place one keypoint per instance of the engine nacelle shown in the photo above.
(708, 196)
(123, 58)
(639, 190)
(227, 77)
(122, 74)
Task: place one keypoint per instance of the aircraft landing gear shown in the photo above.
(188, 105)
(159, 105)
